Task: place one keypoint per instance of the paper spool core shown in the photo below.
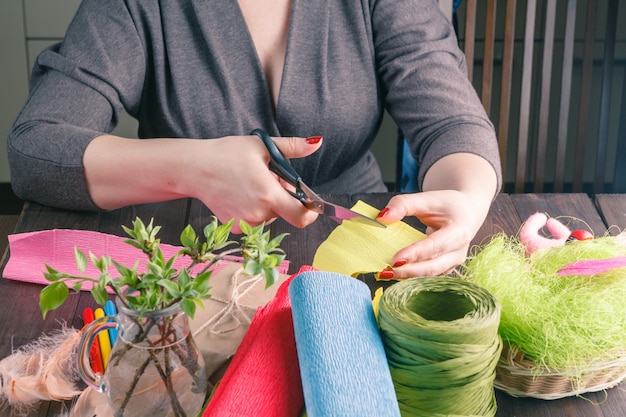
(440, 305)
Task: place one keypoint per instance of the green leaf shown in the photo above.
(275, 243)
(99, 293)
(104, 279)
(258, 229)
(52, 274)
(201, 283)
(183, 278)
(154, 231)
(134, 300)
(155, 267)
(245, 227)
(209, 232)
(139, 230)
(51, 270)
(171, 287)
(252, 268)
(81, 259)
(134, 243)
(170, 262)
(128, 276)
(102, 264)
(273, 260)
(189, 307)
(222, 234)
(130, 232)
(270, 275)
(188, 237)
(52, 297)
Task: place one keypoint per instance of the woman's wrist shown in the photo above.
(469, 174)
(121, 172)
(465, 172)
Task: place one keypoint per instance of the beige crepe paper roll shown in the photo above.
(356, 246)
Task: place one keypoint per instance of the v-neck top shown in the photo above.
(189, 69)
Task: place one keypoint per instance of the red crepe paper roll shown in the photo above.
(263, 379)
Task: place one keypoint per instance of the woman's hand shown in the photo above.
(239, 184)
(459, 189)
(229, 175)
(450, 227)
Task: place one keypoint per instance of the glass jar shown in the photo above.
(154, 368)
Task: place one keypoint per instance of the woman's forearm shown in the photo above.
(122, 172)
(469, 174)
(229, 175)
(462, 172)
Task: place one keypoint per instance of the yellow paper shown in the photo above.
(355, 245)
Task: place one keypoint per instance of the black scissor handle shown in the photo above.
(281, 165)
(278, 163)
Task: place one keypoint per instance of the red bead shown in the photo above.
(580, 235)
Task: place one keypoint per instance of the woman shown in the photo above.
(317, 75)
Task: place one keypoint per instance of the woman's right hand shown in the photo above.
(229, 175)
(238, 183)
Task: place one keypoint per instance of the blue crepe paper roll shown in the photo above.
(342, 359)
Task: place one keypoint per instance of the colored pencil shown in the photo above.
(95, 356)
(110, 310)
(103, 339)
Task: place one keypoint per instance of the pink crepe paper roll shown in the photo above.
(31, 251)
(263, 379)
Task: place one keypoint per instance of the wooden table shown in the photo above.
(21, 319)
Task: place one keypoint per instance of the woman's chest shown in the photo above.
(268, 25)
(219, 74)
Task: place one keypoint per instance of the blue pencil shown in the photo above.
(110, 310)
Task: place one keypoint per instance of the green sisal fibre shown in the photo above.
(562, 322)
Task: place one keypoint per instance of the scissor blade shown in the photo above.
(339, 214)
(334, 211)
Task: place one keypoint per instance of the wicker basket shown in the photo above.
(519, 376)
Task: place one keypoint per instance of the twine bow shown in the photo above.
(233, 307)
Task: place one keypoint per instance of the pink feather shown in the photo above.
(44, 369)
(592, 266)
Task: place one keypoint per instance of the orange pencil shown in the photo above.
(103, 338)
(94, 354)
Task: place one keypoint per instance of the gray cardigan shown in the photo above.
(188, 68)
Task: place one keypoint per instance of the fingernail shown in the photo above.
(382, 213)
(386, 274)
(400, 262)
(312, 140)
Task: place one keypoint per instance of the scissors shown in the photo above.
(282, 167)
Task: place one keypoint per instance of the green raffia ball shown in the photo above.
(561, 322)
(441, 340)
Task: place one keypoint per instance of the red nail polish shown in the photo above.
(313, 140)
(386, 274)
(382, 213)
(400, 262)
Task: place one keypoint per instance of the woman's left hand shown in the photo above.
(452, 219)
